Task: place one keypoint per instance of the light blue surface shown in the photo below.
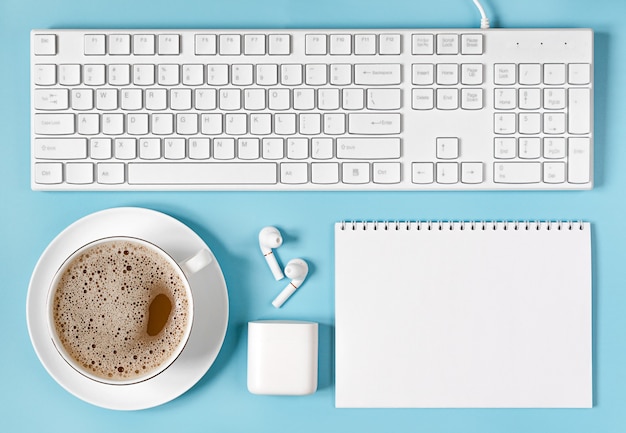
(229, 222)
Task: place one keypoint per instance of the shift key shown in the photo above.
(374, 123)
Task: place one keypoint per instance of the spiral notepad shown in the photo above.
(463, 314)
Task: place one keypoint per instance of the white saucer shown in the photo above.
(210, 308)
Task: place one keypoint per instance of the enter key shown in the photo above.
(374, 123)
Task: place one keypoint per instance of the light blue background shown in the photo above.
(229, 222)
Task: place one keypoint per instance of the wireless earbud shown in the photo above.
(296, 269)
(269, 238)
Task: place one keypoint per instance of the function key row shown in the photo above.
(149, 44)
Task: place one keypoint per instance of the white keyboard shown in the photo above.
(367, 109)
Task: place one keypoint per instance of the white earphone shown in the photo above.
(297, 270)
(269, 238)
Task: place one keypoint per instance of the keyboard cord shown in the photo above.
(484, 21)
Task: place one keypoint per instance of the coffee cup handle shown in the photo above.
(196, 262)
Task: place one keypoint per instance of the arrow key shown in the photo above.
(472, 172)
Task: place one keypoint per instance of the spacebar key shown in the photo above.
(208, 173)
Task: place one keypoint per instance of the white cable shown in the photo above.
(484, 21)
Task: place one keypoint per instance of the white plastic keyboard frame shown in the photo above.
(419, 128)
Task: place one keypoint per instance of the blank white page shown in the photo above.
(463, 315)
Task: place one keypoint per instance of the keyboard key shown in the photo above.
(472, 172)
(505, 148)
(447, 43)
(324, 172)
(144, 45)
(554, 99)
(230, 45)
(224, 148)
(554, 74)
(125, 148)
(54, 124)
(44, 45)
(322, 148)
(79, 173)
(279, 45)
(291, 75)
(505, 99)
(517, 172)
(422, 172)
(368, 148)
(365, 45)
(174, 148)
(297, 148)
(579, 73)
(579, 160)
(267, 75)
(60, 148)
(579, 102)
(206, 45)
(447, 74)
(386, 172)
(89, 124)
(254, 45)
(384, 99)
(51, 99)
(472, 44)
(110, 173)
(504, 74)
(504, 123)
(169, 45)
(150, 148)
(340, 44)
(423, 99)
(447, 172)
(45, 75)
(374, 123)
(315, 44)
(119, 45)
(143, 75)
(316, 75)
(529, 74)
(447, 147)
(472, 74)
(69, 75)
(377, 74)
(93, 75)
(389, 44)
(193, 75)
(202, 173)
(554, 148)
(472, 99)
(447, 99)
(423, 44)
(294, 172)
(48, 173)
(423, 74)
(355, 172)
(554, 172)
(95, 45)
(100, 148)
(529, 148)
(217, 75)
(340, 75)
(199, 148)
(334, 123)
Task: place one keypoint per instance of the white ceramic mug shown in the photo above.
(183, 270)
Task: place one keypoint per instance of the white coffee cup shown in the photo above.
(77, 314)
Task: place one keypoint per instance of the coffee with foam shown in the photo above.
(121, 310)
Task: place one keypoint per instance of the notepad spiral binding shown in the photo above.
(462, 225)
